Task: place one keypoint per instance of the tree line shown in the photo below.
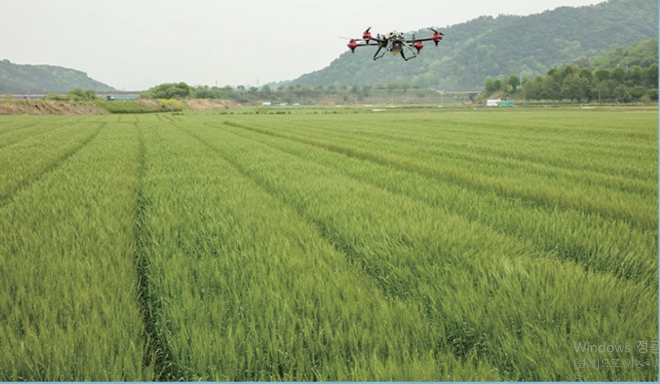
(584, 84)
(287, 93)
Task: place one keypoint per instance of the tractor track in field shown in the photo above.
(157, 352)
(25, 183)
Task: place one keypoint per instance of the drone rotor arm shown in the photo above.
(365, 45)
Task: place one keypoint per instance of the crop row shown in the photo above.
(594, 242)
(545, 139)
(14, 131)
(616, 195)
(23, 161)
(68, 308)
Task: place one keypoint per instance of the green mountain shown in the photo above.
(644, 54)
(494, 47)
(18, 78)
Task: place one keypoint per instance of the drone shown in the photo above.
(394, 43)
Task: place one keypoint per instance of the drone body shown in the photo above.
(394, 43)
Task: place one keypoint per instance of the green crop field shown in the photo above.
(330, 244)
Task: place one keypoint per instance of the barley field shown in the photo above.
(325, 245)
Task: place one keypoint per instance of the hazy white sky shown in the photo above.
(136, 44)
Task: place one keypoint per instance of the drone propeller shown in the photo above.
(366, 36)
(437, 36)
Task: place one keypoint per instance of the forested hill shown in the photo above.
(644, 54)
(501, 46)
(18, 78)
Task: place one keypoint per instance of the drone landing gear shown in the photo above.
(376, 56)
(408, 58)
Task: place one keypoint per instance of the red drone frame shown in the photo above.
(394, 43)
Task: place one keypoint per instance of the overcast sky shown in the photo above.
(136, 44)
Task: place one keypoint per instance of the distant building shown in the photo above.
(500, 103)
(121, 97)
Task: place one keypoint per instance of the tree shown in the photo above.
(618, 75)
(77, 94)
(532, 88)
(586, 73)
(169, 91)
(621, 94)
(637, 92)
(567, 71)
(366, 90)
(55, 97)
(606, 89)
(574, 87)
(602, 74)
(178, 91)
(652, 76)
(514, 82)
(90, 95)
(493, 85)
(636, 75)
(551, 86)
